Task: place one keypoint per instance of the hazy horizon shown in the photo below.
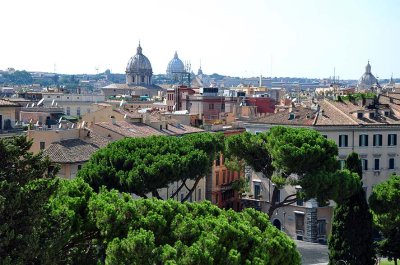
(305, 39)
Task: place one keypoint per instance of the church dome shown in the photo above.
(138, 63)
(367, 80)
(175, 66)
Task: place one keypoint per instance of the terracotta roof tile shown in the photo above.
(74, 150)
(6, 103)
(130, 129)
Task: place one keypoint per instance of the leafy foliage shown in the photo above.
(385, 204)
(284, 152)
(351, 238)
(26, 183)
(168, 232)
(143, 165)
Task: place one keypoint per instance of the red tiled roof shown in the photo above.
(130, 129)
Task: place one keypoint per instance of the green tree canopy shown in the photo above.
(26, 183)
(385, 204)
(143, 165)
(294, 156)
(351, 238)
(149, 231)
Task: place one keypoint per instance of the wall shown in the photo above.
(7, 113)
(50, 136)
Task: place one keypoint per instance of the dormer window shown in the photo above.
(360, 115)
(291, 116)
(387, 113)
(371, 115)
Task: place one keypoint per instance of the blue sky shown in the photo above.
(298, 38)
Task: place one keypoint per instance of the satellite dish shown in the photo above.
(27, 105)
(37, 123)
(30, 121)
(60, 119)
(59, 126)
(73, 125)
(16, 123)
(121, 103)
(52, 103)
(33, 104)
(56, 103)
(40, 101)
(125, 116)
(83, 124)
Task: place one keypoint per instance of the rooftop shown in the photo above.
(74, 150)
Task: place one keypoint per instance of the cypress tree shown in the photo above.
(351, 238)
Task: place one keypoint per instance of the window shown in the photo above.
(321, 228)
(222, 106)
(216, 178)
(299, 223)
(371, 115)
(223, 177)
(341, 164)
(79, 167)
(218, 161)
(78, 111)
(181, 197)
(257, 190)
(300, 201)
(360, 115)
(68, 111)
(211, 106)
(363, 140)
(364, 163)
(392, 139)
(42, 145)
(199, 195)
(391, 163)
(142, 79)
(216, 198)
(387, 113)
(376, 165)
(343, 140)
(377, 139)
(278, 196)
(325, 136)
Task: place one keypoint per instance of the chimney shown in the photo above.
(112, 118)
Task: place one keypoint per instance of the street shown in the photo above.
(312, 253)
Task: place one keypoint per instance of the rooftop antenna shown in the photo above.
(334, 73)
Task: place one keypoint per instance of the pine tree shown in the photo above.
(351, 238)
(26, 183)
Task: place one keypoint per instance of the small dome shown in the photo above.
(367, 80)
(175, 66)
(138, 63)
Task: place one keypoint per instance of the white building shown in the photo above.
(366, 126)
(73, 104)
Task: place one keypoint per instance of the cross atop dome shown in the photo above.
(139, 49)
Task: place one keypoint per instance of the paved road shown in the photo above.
(312, 254)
